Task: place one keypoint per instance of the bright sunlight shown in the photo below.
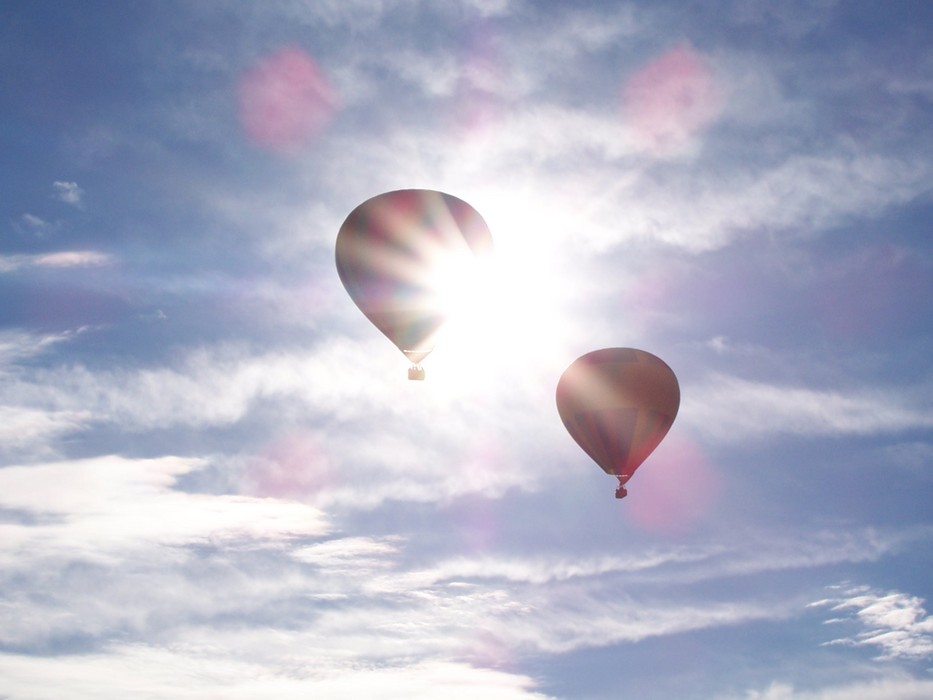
(507, 311)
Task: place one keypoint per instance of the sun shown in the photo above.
(507, 311)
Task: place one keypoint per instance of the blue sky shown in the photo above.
(216, 479)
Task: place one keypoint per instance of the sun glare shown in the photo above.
(505, 311)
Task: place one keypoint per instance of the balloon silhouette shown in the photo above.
(618, 404)
(405, 258)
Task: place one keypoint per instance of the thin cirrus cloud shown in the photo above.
(884, 689)
(59, 259)
(307, 522)
(17, 345)
(799, 194)
(214, 387)
(894, 623)
(754, 554)
(367, 608)
(731, 408)
(89, 510)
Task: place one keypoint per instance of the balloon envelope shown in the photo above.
(396, 254)
(618, 404)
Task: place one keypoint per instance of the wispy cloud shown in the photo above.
(68, 192)
(73, 258)
(309, 523)
(135, 570)
(33, 224)
(198, 669)
(730, 408)
(109, 504)
(318, 392)
(23, 427)
(893, 622)
(60, 259)
(894, 688)
(26, 428)
(753, 554)
(16, 345)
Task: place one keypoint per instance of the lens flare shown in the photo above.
(681, 488)
(514, 321)
(286, 101)
(293, 467)
(670, 99)
(405, 257)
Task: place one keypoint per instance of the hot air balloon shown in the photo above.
(618, 404)
(404, 257)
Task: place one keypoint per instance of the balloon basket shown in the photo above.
(416, 373)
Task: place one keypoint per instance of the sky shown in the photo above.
(215, 477)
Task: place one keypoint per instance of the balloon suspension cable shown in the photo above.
(416, 372)
(621, 492)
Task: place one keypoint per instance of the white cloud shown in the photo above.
(33, 427)
(801, 196)
(72, 258)
(729, 408)
(432, 459)
(68, 192)
(97, 507)
(34, 222)
(221, 386)
(18, 344)
(231, 587)
(555, 605)
(348, 551)
(465, 616)
(894, 688)
(8, 263)
(198, 671)
(753, 555)
(895, 623)
(492, 8)
(23, 427)
(586, 166)
(64, 258)
(436, 75)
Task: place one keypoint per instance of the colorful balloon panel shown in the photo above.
(392, 253)
(618, 404)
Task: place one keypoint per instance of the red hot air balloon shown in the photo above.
(402, 256)
(618, 404)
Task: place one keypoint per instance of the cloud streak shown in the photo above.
(195, 671)
(730, 408)
(894, 688)
(894, 623)
(108, 504)
(61, 259)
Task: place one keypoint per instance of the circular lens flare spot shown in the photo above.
(285, 101)
(670, 99)
(674, 489)
(293, 467)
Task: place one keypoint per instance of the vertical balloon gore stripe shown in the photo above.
(618, 404)
(396, 253)
(607, 436)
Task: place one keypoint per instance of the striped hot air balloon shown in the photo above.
(399, 253)
(618, 404)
